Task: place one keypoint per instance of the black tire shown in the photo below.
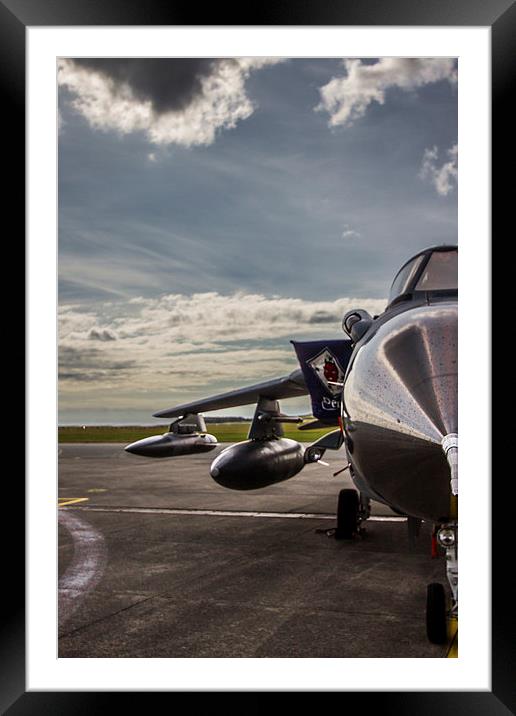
(436, 613)
(347, 514)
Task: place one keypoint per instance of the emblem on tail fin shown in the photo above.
(328, 369)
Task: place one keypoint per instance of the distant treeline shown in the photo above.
(225, 430)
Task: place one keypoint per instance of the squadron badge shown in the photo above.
(328, 369)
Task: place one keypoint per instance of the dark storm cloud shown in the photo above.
(170, 84)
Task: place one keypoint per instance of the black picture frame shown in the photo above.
(15, 17)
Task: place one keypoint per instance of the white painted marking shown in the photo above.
(228, 513)
(86, 567)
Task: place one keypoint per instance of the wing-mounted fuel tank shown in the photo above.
(265, 458)
(186, 436)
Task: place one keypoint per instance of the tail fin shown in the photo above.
(324, 366)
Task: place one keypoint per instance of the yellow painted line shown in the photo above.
(71, 501)
(453, 633)
(97, 489)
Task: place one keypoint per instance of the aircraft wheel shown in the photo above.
(347, 514)
(436, 613)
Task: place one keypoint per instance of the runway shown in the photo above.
(157, 560)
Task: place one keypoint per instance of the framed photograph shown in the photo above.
(106, 66)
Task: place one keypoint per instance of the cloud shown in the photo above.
(444, 177)
(323, 317)
(101, 335)
(173, 101)
(169, 84)
(90, 365)
(349, 233)
(347, 98)
(178, 347)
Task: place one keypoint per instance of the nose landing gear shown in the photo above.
(436, 613)
(352, 509)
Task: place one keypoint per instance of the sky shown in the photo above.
(212, 210)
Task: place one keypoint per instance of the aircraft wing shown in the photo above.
(288, 386)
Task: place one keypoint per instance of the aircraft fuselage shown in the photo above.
(399, 402)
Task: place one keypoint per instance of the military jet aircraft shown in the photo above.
(390, 388)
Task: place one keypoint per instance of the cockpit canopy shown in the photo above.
(433, 269)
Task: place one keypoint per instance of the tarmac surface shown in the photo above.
(157, 560)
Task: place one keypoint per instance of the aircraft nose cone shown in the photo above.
(400, 402)
(423, 357)
(405, 378)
